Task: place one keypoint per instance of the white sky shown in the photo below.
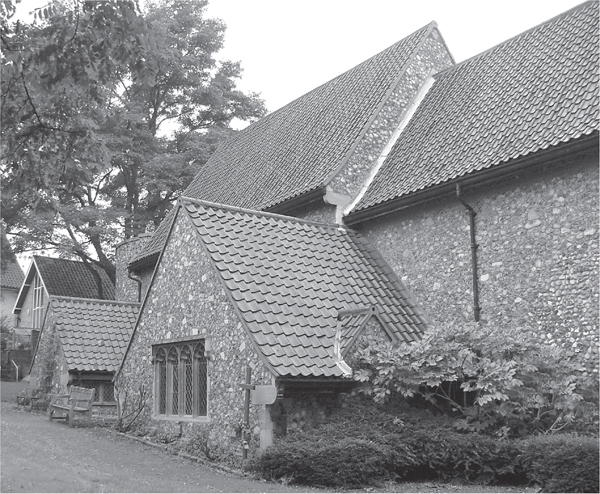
(288, 47)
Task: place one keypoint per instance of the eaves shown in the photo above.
(489, 176)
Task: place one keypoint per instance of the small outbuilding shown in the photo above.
(249, 321)
(82, 343)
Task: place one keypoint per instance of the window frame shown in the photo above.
(38, 304)
(101, 390)
(170, 380)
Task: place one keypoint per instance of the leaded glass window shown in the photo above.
(201, 379)
(104, 391)
(181, 379)
(173, 370)
(38, 302)
(161, 371)
(188, 384)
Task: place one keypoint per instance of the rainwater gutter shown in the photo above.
(474, 246)
(139, 284)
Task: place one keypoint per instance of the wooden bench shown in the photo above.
(77, 402)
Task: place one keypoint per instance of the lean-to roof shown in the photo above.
(93, 333)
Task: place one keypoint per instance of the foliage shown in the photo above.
(496, 381)
(5, 331)
(130, 407)
(348, 462)
(197, 442)
(417, 446)
(562, 463)
(56, 74)
(87, 90)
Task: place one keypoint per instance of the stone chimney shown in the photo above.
(126, 289)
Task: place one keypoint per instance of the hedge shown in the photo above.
(561, 463)
(357, 449)
(345, 463)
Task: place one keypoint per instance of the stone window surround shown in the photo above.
(199, 351)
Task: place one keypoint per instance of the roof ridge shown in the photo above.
(95, 300)
(386, 97)
(442, 40)
(66, 260)
(430, 25)
(37, 256)
(291, 219)
(506, 41)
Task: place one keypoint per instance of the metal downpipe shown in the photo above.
(474, 246)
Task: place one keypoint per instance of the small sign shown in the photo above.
(264, 395)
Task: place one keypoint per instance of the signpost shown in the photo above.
(263, 395)
(248, 388)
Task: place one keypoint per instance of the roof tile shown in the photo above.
(294, 324)
(512, 90)
(296, 149)
(93, 333)
(66, 278)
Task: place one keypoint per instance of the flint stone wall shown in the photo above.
(315, 211)
(126, 290)
(431, 58)
(50, 367)
(537, 255)
(300, 412)
(186, 301)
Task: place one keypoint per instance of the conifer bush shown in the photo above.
(361, 445)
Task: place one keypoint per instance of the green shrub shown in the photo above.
(502, 381)
(413, 455)
(343, 463)
(444, 454)
(561, 463)
(385, 446)
(393, 441)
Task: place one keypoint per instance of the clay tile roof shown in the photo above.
(296, 149)
(311, 271)
(66, 278)
(532, 92)
(350, 325)
(93, 333)
(11, 275)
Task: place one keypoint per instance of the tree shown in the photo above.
(86, 91)
(191, 90)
